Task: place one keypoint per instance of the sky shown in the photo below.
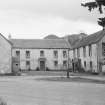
(39, 18)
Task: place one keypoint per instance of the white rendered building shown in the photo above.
(91, 52)
(43, 54)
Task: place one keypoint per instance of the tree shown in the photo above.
(96, 4)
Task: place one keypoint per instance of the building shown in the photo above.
(5, 55)
(43, 54)
(90, 51)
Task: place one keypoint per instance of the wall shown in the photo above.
(71, 56)
(5, 56)
(100, 58)
(35, 55)
(88, 58)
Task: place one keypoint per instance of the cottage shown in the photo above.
(90, 51)
(5, 55)
(41, 54)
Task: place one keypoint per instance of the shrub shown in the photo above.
(37, 69)
(2, 102)
(47, 69)
(81, 70)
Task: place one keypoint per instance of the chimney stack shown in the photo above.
(9, 36)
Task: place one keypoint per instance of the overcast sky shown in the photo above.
(38, 18)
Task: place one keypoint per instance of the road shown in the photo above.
(29, 91)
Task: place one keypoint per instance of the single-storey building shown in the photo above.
(90, 52)
(5, 55)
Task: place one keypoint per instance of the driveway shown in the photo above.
(25, 90)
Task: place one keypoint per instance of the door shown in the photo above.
(42, 65)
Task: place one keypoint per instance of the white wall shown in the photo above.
(88, 58)
(100, 58)
(35, 55)
(5, 56)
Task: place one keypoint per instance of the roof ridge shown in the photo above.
(92, 38)
(37, 39)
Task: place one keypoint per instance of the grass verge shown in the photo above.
(72, 79)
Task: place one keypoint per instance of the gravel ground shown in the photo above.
(26, 90)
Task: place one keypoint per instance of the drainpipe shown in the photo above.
(68, 66)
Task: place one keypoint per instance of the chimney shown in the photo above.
(9, 36)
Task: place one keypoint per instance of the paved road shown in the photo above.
(28, 91)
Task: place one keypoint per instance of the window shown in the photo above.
(64, 54)
(78, 52)
(27, 63)
(41, 53)
(74, 53)
(27, 54)
(65, 63)
(85, 64)
(90, 50)
(17, 53)
(84, 51)
(55, 63)
(55, 54)
(91, 65)
(103, 49)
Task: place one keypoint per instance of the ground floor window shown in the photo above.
(91, 65)
(28, 65)
(65, 63)
(85, 64)
(55, 63)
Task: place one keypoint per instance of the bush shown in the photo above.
(16, 74)
(47, 69)
(81, 70)
(2, 102)
(37, 69)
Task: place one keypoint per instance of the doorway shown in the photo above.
(42, 65)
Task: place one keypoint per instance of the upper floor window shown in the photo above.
(85, 64)
(64, 54)
(55, 63)
(55, 54)
(27, 54)
(90, 50)
(74, 53)
(78, 52)
(17, 53)
(41, 53)
(84, 51)
(103, 49)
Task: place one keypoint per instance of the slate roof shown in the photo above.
(40, 43)
(91, 39)
(6, 39)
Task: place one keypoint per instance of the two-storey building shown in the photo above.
(32, 54)
(5, 55)
(91, 52)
